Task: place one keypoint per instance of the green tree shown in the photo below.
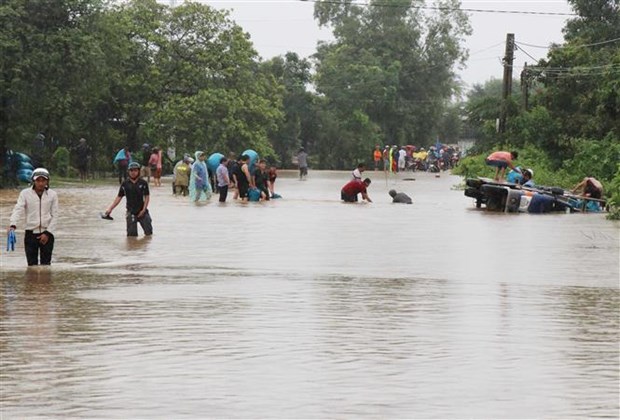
(392, 62)
(49, 64)
(299, 124)
(582, 76)
(214, 95)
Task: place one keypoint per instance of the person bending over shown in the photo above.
(350, 191)
(501, 161)
(400, 197)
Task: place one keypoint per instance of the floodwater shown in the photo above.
(306, 307)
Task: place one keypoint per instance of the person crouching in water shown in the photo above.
(136, 192)
(349, 192)
(261, 179)
(400, 197)
(273, 175)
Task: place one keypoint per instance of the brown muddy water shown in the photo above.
(308, 307)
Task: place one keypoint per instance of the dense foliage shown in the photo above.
(131, 73)
(389, 75)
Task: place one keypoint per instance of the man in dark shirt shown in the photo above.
(136, 190)
(83, 158)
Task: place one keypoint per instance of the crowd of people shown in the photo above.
(411, 158)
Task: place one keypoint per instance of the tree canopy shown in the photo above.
(390, 73)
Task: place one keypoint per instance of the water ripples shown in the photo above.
(327, 311)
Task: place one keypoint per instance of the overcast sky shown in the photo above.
(278, 26)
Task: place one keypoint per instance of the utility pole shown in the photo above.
(507, 90)
(525, 87)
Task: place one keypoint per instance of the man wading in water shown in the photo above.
(39, 206)
(136, 190)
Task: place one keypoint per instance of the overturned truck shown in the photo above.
(513, 198)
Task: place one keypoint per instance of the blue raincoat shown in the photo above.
(199, 185)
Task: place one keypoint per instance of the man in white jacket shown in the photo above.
(38, 205)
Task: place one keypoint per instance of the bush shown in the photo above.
(597, 158)
(614, 193)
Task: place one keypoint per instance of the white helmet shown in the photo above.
(530, 171)
(40, 172)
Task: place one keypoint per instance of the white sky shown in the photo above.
(278, 26)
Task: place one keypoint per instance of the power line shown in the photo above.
(487, 48)
(609, 41)
(520, 48)
(449, 9)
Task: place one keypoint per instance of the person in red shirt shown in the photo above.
(350, 191)
(501, 161)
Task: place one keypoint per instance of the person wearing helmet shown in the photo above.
(527, 180)
(38, 206)
(136, 192)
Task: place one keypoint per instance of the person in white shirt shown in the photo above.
(38, 206)
(356, 175)
(402, 156)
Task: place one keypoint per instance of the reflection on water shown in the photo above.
(305, 307)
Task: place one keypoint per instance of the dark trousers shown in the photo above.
(33, 247)
(348, 198)
(132, 224)
(223, 193)
(122, 173)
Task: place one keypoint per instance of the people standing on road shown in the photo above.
(394, 158)
(122, 161)
(83, 153)
(350, 191)
(181, 173)
(38, 207)
(145, 171)
(402, 155)
(357, 172)
(302, 162)
(233, 167)
(502, 160)
(377, 156)
(386, 158)
(136, 192)
(155, 162)
(223, 180)
(243, 178)
(199, 184)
